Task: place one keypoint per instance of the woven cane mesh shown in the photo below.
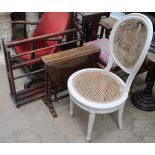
(108, 22)
(129, 41)
(96, 86)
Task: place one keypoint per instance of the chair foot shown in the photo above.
(120, 116)
(90, 126)
(88, 140)
(71, 114)
(50, 106)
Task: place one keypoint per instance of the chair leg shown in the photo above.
(107, 33)
(101, 33)
(120, 116)
(90, 126)
(147, 76)
(71, 107)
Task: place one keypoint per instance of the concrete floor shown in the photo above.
(34, 123)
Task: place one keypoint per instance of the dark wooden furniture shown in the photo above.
(18, 16)
(60, 66)
(50, 22)
(90, 23)
(143, 99)
(36, 90)
(28, 59)
(18, 20)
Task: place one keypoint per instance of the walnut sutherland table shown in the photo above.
(59, 66)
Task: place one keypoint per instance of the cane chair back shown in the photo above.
(129, 41)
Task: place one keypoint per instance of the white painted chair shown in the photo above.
(100, 91)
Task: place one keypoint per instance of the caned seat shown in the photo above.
(107, 25)
(97, 88)
(108, 22)
(100, 91)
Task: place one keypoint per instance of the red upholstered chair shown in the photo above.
(50, 22)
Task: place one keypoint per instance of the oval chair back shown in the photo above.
(130, 40)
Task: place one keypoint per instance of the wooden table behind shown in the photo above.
(59, 66)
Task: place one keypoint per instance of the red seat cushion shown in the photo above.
(27, 47)
(104, 45)
(50, 22)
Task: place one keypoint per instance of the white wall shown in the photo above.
(117, 15)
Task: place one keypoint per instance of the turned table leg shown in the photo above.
(86, 30)
(48, 98)
(94, 28)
